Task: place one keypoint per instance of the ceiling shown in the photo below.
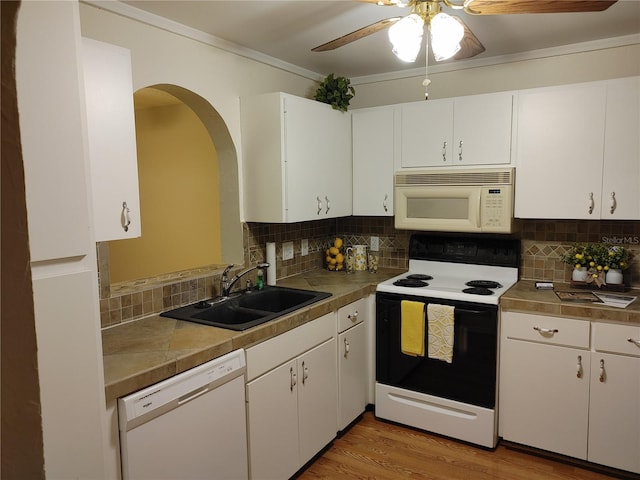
(288, 30)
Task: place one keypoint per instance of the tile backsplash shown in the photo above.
(544, 242)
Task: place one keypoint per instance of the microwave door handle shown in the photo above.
(479, 210)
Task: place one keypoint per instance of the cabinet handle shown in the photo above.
(346, 348)
(579, 367)
(591, 203)
(125, 220)
(614, 203)
(319, 205)
(384, 202)
(546, 331)
(603, 374)
(353, 317)
(328, 204)
(305, 373)
(294, 379)
(635, 342)
(460, 151)
(444, 151)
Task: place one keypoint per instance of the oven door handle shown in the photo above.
(474, 312)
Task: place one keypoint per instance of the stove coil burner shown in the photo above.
(410, 282)
(478, 291)
(483, 284)
(419, 276)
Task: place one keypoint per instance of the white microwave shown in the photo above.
(455, 200)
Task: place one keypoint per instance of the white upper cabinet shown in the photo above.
(297, 159)
(621, 170)
(577, 151)
(112, 140)
(471, 130)
(373, 160)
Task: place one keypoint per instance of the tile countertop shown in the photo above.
(524, 297)
(146, 351)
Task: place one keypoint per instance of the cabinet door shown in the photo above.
(558, 152)
(621, 173)
(317, 399)
(352, 374)
(427, 133)
(112, 140)
(337, 164)
(317, 160)
(373, 156)
(482, 129)
(614, 412)
(543, 402)
(272, 417)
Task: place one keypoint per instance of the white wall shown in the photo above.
(601, 64)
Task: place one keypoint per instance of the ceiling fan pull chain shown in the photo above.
(426, 80)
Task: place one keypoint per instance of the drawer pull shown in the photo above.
(603, 374)
(353, 317)
(635, 342)
(579, 367)
(546, 331)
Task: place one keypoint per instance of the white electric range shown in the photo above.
(456, 398)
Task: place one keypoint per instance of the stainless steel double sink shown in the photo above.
(247, 309)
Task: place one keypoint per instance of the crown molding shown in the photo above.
(163, 23)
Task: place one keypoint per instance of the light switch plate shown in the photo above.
(287, 250)
(304, 246)
(374, 244)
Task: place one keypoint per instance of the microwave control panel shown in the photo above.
(496, 208)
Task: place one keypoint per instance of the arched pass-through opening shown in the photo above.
(228, 186)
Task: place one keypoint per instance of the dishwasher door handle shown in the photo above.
(193, 394)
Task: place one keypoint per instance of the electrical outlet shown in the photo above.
(375, 244)
(287, 250)
(304, 247)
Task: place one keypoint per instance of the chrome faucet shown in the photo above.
(226, 285)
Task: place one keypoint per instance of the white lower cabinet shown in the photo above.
(352, 362)
(291, 398)
(570, 390)
(614, 409)
(544, 382)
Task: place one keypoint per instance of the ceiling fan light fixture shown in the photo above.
(446, 35)
(406, 37)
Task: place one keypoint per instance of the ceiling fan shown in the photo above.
(469, 45)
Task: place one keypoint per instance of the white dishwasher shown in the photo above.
(189, 427)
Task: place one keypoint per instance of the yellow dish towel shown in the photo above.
(440, 325)
(412, 328)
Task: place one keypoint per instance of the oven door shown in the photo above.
(470, 378)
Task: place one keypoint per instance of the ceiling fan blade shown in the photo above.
(356, 35)
(470, 46)
(497, 7)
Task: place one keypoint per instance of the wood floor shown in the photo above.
(374, 449)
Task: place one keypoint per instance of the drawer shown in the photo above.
(545, 329)
(280, 349)
(615, 338)
(352, 314)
